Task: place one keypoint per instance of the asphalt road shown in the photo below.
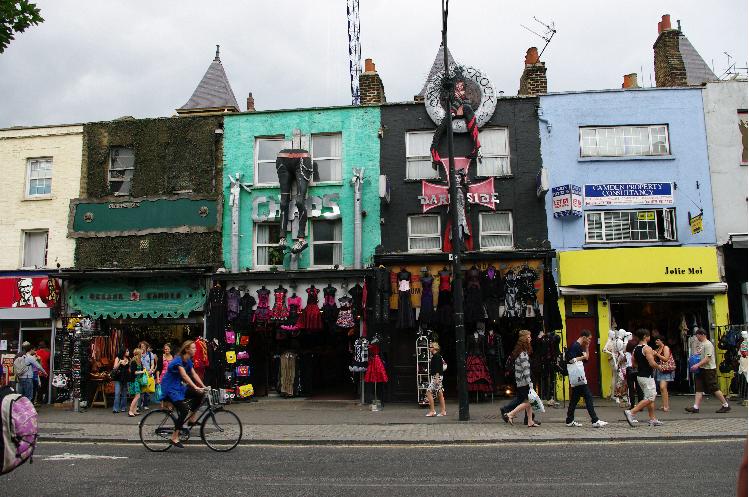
(620, 469)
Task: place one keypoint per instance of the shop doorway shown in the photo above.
(34, 336)
(674, 319)
(592, 367)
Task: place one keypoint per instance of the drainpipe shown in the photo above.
(357, 181)
(234, 200)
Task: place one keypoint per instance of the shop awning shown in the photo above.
(707, 289)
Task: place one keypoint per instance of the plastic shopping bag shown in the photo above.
(576, 371)
(535, 401)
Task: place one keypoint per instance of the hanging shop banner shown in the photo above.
(567, 200)
(141, 216)
(268, 207)
(137, 298)
(580, 304)
(695, 223)
(629, 194)
(28, 291)
(478, 193)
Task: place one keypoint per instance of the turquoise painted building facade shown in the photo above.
(341, 140)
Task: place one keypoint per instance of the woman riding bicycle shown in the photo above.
(174, 387)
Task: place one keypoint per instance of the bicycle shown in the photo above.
(220, 429)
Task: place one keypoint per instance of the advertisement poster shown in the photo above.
(567, 200)
(629, 194)
(28, 291)
(7, 368)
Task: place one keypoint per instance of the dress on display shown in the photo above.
(345, 314)
(217, 311)
(477, 374)
(491, 288)
(311, 317)
(474, 307)
(445, 299)
(426, 314)
(262, 313)
(405, 309)
(294, 319)
(361, 356)
(280, 311)
(246, 310)
(375, 369)
(232, 304)
(382, 295)
(356, 293)
(329, 307)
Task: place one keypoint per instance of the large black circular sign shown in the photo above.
(479, 90)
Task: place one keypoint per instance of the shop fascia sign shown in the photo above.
(433, 195)
(567, 200)
(629, 194)
(324, 206)
(29, 291)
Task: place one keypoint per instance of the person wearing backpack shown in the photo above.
(23, 369)
(437, 367)
(119, 375)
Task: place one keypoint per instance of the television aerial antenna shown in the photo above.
(731, 71)
(549, 32)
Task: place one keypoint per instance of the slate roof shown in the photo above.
(698, 72)
(438, 66)
(213, 91)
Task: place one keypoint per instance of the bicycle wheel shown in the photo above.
(156, 429)
(221, 430)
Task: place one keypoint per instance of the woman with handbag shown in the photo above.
(135, 380)
(436, 369)
(521, 354)
(119, 376)
(666, 360)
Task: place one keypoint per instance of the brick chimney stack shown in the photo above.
(533, 80)
(371, 89)
(630, 81)
(669, 64)
(250, 103)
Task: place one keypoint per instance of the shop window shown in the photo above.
(266, 150)
(624, 141)
(418, 158)
(655, 225)
(496, 230)
(121, 169)
(326, 154)
(39, 177)
(326, 243)
(267, 251)
(424, 234)
(744, 136)
(495, 152)
(34, 248)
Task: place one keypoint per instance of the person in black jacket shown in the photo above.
(435, 385)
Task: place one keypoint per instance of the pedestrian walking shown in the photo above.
(578, 352)
(137, 370)
(119, 375)
(149, 364)
(634, 392)
(523, 381)
(24, 366)
(435, 384)
(668, 368)
(706, 376)
(166, 357)
(644, 359)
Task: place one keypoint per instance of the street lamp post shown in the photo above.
(457, 241)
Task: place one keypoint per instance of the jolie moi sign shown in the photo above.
(629, 194)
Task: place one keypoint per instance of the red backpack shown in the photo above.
(18, 430)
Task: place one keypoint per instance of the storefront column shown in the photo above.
(719, 309)
(604, 325)
(561, 379)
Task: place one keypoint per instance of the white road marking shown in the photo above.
(67, 456)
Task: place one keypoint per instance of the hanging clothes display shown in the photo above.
(491, 289)
(216, 311)
(473, 306)
(356, 292)
(293, 322)
(405, 309)
(232, 304)
(262, 313)
(361, 356)
(552, 316)
(311, 317)
(477, 374)
(329, 307)
(345, 318)
(382, 288)
(280, 311)
(495, 356)
(246, 310)
(445, 299)
(375, 368)
(200, 360)
(547, 354)
(288, 374)
(426, 313)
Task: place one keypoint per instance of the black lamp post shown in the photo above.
(457, 241)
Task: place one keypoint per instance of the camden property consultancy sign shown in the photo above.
(629, 194)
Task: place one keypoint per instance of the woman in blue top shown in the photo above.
(174, 387)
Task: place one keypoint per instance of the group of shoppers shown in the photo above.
(127, 373)
(31, 369)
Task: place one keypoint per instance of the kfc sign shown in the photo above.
(28, 291)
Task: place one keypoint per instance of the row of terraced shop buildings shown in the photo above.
(614, 208)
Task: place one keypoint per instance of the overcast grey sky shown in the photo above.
(99, 60)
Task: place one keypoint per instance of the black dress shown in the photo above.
(426, 315)
(405, 309)
(491, 289)
(329, 308)
(216, 312)
(474, 307)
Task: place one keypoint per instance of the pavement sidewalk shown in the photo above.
(300, 421)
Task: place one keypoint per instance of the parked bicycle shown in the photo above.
(220, 429)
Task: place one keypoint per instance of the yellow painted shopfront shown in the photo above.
(671, 290)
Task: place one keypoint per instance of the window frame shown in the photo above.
(490, 233)
(662, 236)
(24, 234)
(414, 158)
(438, 235)
(315, 158)
(257, 161)
(742, 148)
(484, 155)
(313, 243)
(123, 181)
(255, 245)
(27, 185)
(650, 128)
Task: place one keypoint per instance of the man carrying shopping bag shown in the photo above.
(575, 357)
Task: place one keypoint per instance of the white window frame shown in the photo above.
(24, 234)
(255, 245)
(438, 235)
(110, 180)
(490, 233)
(313, 243)
(435, 173)
(29, 162)
(665, 236)
(257, 161)
(652, 128)
(339, 158)
(485, 155)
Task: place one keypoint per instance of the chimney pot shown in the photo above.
(660, 27)
(531, 56)
(665, 22)
(630, 81)
(369, 66)
(250, 103)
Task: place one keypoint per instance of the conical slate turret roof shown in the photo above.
(438, 66)
(698, 72)
(213, 93)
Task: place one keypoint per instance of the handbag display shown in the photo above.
(242, 354)
(244, 340)
(243, 371)
(246, 390)
(230, 337)
(231, 357)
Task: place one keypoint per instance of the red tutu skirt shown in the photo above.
(477, 375)
(375, 370)
(311, 318)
